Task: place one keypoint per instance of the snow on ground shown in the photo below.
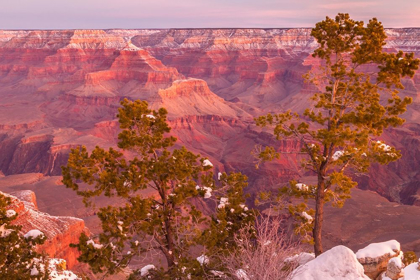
(339, 263)
(301, 258)
(411, 272)
(375, 250)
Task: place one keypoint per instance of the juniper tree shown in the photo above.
(18, 258)
(167, 221)
(351, 108)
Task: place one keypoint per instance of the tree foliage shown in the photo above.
(18, 258)
(168, 221)
(356, 99)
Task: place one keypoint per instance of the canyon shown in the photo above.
(60, 89)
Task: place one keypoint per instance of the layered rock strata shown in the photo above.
(60, 231)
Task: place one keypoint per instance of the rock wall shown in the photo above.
(57, 86)
(60, 231)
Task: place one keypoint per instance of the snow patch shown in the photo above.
(307, 216)
(241, 274)
(302, 187)
(337, 155)
(384, 146)
(206, 162)
(339, 263)
(34, 233)
(412, 272)
(375, 250)
(223, 202)
(96, 246)
(144, 271)
(203, 259)
(301, 258)
(397, 261)
(10, 213)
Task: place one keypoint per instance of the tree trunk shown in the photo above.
(319, 216)
(170, 243)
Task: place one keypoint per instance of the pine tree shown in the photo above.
(168, 221)
(340, 132)
(18, 258)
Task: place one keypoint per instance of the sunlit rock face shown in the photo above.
(60, 89)
(60, 231)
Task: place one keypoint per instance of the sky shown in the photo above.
(133, 14)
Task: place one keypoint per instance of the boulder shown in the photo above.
(395, 269)
(376, 256)
(338, 263)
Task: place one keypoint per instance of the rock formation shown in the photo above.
(338, 263)
(60, 231)
(376, 258)
(60, 89)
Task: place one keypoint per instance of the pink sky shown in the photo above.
(83, 14)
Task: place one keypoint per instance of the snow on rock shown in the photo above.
(10, 213)
(375, 257)
(394, 270)
(60, 231)
(203, 259)
(219, 175)
(223, 202)
(34, 233)
(338, 263)
(206, 162)
(412, 271)
(375, 250)
(151, 116)
(58, 271)
(301, 258)
(144, 271)
(397, 261)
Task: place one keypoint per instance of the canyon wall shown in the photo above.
(60, 231)
(61, 89)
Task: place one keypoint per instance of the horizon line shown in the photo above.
(173, 28)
